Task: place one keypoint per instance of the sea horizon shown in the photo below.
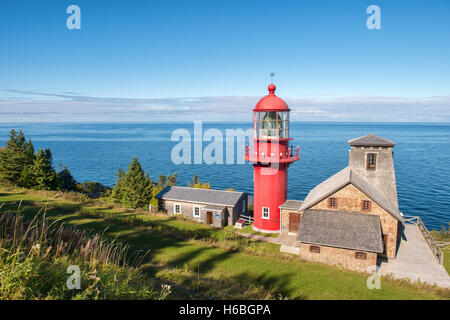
(95, 151)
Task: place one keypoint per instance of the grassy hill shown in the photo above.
(200, 262)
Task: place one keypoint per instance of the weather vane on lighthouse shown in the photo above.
(272, 74)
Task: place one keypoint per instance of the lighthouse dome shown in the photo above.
(271, 102)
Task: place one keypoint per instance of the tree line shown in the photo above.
(21, 166)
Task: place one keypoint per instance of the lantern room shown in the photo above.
(271, 117)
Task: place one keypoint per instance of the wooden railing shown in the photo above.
(435, 246)
(248, 219)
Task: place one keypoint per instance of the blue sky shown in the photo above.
(182, 60)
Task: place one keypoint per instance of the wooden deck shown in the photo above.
(415, 260)
(288, 244)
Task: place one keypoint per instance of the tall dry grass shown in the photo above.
(35, 254)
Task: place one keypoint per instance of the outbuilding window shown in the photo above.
(265, 213)
(314, 249)
(176, 208)
(371, 161)
(244, 205)
(196, 212)
(361, 255)
(332, 203)
(366, 205)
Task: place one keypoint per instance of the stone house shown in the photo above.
(213, 207)
(352, 218)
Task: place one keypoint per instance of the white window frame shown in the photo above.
(268, 213)
(175, 208)
(193, 212)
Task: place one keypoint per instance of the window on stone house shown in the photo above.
(314, 249)
(361, 255)
(366, 205)
(176, 208)
(371, 161)
(332, 203)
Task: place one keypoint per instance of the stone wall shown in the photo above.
(338, 256)
(284, 214)
(349, 200)
(383, 176)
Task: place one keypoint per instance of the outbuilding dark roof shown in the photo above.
(349, 230)
(341, 179)
(197, 195)
(371, 140)
(291, 205)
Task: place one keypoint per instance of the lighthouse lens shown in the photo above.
(271, 124)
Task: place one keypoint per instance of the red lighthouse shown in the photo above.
(271, 156)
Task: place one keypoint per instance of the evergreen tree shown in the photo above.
(66, 182)
(162, 180)
(12, 157)
(44, 174)
(116, 193)
(172, 179)
(29, 153)
(196, 183)
(27, 179)
(136, 187)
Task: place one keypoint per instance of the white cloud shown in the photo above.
(69, 106)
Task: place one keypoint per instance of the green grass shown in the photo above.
(447, 260)
(202, 262)
(444, 236)
(249, 229)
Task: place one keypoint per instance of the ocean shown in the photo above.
(95, 151)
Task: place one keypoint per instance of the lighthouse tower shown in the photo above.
(271, 156)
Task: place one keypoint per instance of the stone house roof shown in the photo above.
(203, 196)
(342, 179)
(348, 230)
(371, 140)
(291, 205)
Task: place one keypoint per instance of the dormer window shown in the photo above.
(371, 161)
